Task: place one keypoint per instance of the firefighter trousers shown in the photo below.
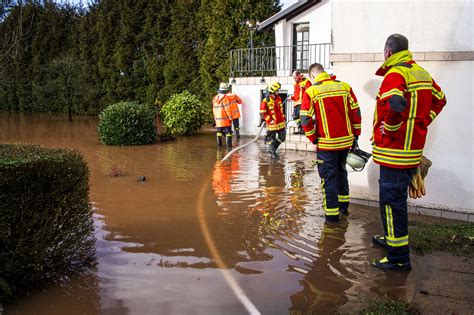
(393, 187)
(334, 184)
(296, 114)
(236, 124)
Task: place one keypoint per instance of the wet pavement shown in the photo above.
(203, 237)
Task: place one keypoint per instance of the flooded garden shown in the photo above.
(178, 232)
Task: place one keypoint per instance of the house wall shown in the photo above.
(441, 34)
(319, 19)
(249, 90)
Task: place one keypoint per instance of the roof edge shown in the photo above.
(292, 11)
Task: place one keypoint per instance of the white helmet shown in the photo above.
(357, 159)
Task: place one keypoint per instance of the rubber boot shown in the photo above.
(277, 144)
(237, 133)
(300, 129)
(229, 140)
(272, 150)
(219, 140)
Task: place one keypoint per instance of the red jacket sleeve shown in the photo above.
(296, 93)
(354, 113)
(392, 93)
(306, 116)
(263, 109)
(438, 102)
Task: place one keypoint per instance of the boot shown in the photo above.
(219, 140)
(237, 133)
(272, 150)
(229, 140)
(277, 144)
(300, 129)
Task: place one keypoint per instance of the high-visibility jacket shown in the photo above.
(271, 109)
(221, 108)
(235, 101)
(407, 102)
(336, 111)
(299, 90)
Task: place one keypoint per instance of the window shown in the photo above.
(301, 47)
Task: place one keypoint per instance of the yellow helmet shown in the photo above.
(273, 87)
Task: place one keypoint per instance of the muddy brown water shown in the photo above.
(264, 223)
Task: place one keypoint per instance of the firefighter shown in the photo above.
(334, 130)
(235, 101)
(407, 102)
(221, 108)
(301, 84)
(271, 112)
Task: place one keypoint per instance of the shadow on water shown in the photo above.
(264, 218)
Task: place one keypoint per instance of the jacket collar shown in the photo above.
(393, 60)
(323, 76)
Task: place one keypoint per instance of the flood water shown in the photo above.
(201, 237)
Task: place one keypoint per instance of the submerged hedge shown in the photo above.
(185, 114)
(127, 123)
(46, 226)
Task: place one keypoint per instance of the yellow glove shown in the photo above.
(417, 186)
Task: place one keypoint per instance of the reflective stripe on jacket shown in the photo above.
(221, 108)
(336, 111)
(299, 90)
(271, 109)
(407, 102)
(234, 100)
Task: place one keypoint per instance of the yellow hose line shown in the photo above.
(239, 293)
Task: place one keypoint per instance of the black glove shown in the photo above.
(315, 141)
(261, 122)
(355, 144)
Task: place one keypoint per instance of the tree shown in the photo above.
(64, 85)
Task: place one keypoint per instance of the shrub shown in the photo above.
(127, 123)
(184, 114)
(46, 225)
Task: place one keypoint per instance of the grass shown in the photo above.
(389, 307)
(456, 238)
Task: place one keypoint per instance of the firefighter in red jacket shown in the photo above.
(407, 102)
(222, 111)
(301, 84)
(271, 112)
(336, 126)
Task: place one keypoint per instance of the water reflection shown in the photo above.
(264, 218)
(325, 278)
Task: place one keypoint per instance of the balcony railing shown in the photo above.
(277, 61)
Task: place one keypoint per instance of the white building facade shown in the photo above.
(441, 39)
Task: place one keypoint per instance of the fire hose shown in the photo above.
(246, 144)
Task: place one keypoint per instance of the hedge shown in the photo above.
(127, 123)
(184, 114)
(46, 225)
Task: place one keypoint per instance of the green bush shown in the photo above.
(46, 225)
(127, 123)
(184, 114)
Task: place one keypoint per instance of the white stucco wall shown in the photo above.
(319, 19)
(363, 26)
(250, 93)
(440, 26)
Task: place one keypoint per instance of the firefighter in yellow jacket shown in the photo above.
(407, 103)
(222, 110)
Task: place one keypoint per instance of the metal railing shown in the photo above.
(277, 61)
